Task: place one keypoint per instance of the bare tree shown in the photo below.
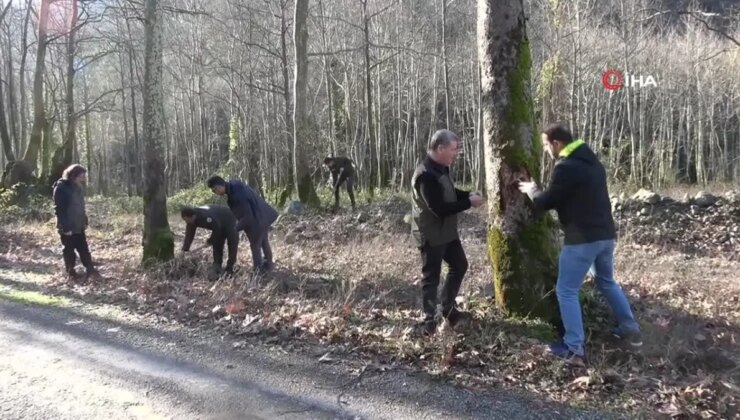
(64, 155)
(39, 116)
(303, 128)
(158, 239)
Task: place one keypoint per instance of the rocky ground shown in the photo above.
(349, 283)
(705, 225)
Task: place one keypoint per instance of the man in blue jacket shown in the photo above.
(578, 192)
(253, 214)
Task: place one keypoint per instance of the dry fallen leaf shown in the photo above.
(326, 359)
(582, 381)
(235, 308)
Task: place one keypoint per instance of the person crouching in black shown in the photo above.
(222, 224)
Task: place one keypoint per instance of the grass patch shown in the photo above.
(33, 298)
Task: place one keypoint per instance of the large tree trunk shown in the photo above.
(32, 151)
(374, 176)
(158, 239)
(132, 96)
(65, 155)
(523, 249)
(22, 78)
(4, 134)
(303, 132)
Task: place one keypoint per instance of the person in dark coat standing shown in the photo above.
(254, 216)
(342, 170)
(69, 207)
(578, 192)
(435, 205)
(222, 224)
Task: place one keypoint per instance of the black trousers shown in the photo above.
(350, 188)
(218, 242)
(431, 257)
(76, 242)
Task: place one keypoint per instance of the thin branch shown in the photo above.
(176, 10)
(710, 27)
(90, 107)
(697, 15)
(336, 52)
(393, 3)
(5, 10)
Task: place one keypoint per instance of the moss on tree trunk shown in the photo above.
(159, 247)
(522, 246)
(158, 239)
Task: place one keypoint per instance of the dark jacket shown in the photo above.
(341, 168)
(217, 219)
(579, 194)
(254, 215)
(222, 224)
(435, 204)
(69, 206)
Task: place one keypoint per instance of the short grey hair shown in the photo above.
(442, 137)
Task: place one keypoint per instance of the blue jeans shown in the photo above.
(259, 243)
(575, 262)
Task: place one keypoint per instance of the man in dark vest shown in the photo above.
(254, 216)
(69, 206)
(435, 205)
(222, 224)
(342, 169)
(578, 192)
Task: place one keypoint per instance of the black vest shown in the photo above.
(426, 227)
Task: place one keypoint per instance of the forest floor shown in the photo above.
(350, 284)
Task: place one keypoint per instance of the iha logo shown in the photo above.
(614, 79)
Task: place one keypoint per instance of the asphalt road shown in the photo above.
(66, 363)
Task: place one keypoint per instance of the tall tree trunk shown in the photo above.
(47, 141)
(89, 150)
(302, 125)
(22, 78)
(134, 115)
(287, 97)
(523, 248)
(158, 239)
(4, 135)
(445, 64)
(32, 152)
(12, 105)
(65, 154)
(130, 167)
(373, 179)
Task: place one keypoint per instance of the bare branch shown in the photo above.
(392, 3)
(698, 15)
(91, 106)
(5, 10)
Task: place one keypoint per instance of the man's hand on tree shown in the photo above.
(476, 199)
(528, 188)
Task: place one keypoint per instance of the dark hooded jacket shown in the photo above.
(253, 213)
(579, 193)
(69, 207)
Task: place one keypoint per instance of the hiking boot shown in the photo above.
(426, 328)
(73, 276)
(562, 352)
(455, 316)
(266, 267)
(92, 274)
(633, 338)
